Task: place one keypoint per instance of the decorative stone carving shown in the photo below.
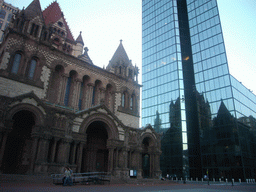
(5, 61)
(45, 78)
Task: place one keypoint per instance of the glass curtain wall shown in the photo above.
(206, 116)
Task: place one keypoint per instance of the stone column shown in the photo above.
(89, 95)
(117, 156)
(73, 154)
(63, 152)
(43, 148)
(101, 95)
(77, 95)
(40, 165)
(130, 160)
(110, 159)
(150, 164)
(79, 156)
(4, 139)
(55, 140)
(33, 153)
(125, 156)
(139, 160)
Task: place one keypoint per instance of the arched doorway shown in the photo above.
(95, 153)
(17, 153)
(147, 156)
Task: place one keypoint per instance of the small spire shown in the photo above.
(121, 40)
(86, 50)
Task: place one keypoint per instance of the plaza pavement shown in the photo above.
(168, 186)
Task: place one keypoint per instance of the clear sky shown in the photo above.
(105, 22)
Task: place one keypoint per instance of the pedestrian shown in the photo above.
(67, 177)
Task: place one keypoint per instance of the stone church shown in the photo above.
(59, 109)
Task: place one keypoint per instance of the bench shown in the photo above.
(84, 178)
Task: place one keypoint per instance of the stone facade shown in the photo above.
(58, 109)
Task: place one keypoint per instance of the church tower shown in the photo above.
(121, 65)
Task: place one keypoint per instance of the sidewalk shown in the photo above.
(32, 183)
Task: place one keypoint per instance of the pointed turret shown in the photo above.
(80, 39)
(120, 56)
(79, 45)
(121, 65)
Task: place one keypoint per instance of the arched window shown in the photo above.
(131, 102)
(123, 100)
(32, 67)
(81, 96)
(70, 89)
(16, 63)
(66, 99)
(93, 95)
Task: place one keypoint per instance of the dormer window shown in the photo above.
(34, 29)
(60, 24)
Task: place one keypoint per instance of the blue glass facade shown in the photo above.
(188, 92)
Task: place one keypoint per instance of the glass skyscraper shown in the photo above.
(206, 116)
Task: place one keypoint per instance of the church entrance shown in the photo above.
(17, 153)
(95, 153)
(146, 158)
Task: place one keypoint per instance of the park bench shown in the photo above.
(84, 178)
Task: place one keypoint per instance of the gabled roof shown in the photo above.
(28, 95)
(33, 10)
(101, 106)
(120, 56)
(52, 14)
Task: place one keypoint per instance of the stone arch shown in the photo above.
(149, 138)
(39, 115)
(18, 156)
(147, 143)
(111, 127)
(99, 129)
(57, 62)
(40, 56)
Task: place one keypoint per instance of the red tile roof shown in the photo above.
(52, 14)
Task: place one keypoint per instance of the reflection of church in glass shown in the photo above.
(227, 145)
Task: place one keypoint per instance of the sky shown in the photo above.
(105, 22)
